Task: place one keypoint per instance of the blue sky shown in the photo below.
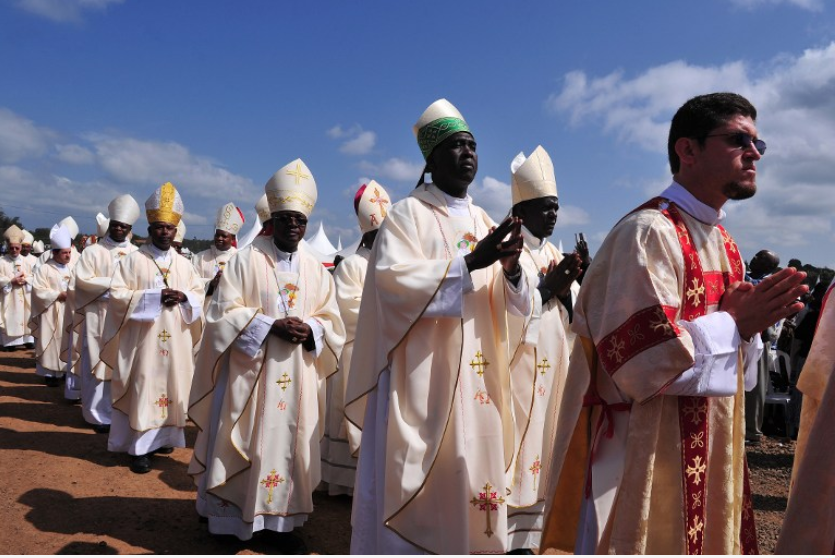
(102, 97)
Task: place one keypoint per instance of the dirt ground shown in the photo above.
(62, 492)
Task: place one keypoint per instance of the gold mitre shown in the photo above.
(71, 225)
(292, 188)
(371, 203)
(14, 235)
(124, 209)
(229, 219)
(533, 177)
(262, 208)
(181, 232)
(27, 238)
(102, 224)
(165, 205)
(439, 121)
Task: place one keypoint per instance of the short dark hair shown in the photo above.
(701, 115)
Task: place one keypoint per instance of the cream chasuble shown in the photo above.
(15, 301)
(438, 433)
(809, 526)
(47, 322)
(342, 439)
(667, 473)
(88, 300)
(537, 374)
(260, 410)
(149, 345)
(209, 262)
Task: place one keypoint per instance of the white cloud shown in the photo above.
(493, 196)
(795, 99)
(62, 11)
(74, 154)
(357, 141)
(811, 5)
(393, 168)
(572, 216)
(21, 138)
(360, 145)
(134, 161)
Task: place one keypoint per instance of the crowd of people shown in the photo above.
(473, 388)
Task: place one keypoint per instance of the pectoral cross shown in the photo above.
(478, 364)
(487, 501)
(271, 482)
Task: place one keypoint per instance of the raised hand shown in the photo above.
(559, 276)
(501, 243)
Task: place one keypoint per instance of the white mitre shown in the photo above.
(532, 177)
(38, 247)
(181, 232)
(60, 238)
(14, 235)
(262, 208)
(71, 226)
(229, 219)
(439, 121)
(102, 224)
(124, 209)
(27, 238)
(371, 203)
(292, 188)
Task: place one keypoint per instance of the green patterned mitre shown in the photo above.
(437, 131)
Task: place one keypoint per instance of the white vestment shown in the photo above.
(89, 297)
(258, 400)
(340, 446)
(148, 346)
(15, 301)
(429, 385)
(47, 321)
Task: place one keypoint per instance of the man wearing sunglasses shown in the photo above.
(668, 341)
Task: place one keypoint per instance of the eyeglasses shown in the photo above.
(743, 140)
(285, 220)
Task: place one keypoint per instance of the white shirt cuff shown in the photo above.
(252, 338)
(149, 307)
(716, 344)
(448, 301)
(191, 309)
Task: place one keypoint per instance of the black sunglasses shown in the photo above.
(743, 140)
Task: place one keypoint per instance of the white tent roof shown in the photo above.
(320, 243)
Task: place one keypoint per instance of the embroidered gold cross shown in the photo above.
(543, 366)
(487, 501)
(163, 403)
(479, 364)
(614, 351)
(695, 529)
(271, 482)
(284, 382)
(696, 470)
(380, 202)
(298, 174)
(164, 336)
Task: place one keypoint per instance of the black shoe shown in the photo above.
(140, 464)
(29, 346)
(101, 428)
(163, 451)
(52, 381)
(521, 551)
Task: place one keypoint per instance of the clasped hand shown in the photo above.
(756, 307)
(171, 297)
(292, 330)
(559, 276)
